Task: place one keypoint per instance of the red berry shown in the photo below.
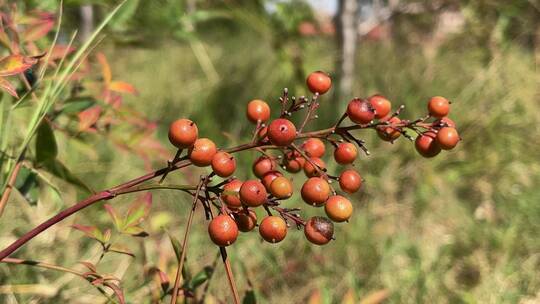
(319, 230)
(269, 177)
(202, 152)
(253, 193)
(223, 164)
(310, 170)
(314, 147)
(350, 181)
(389, 133)
(246, 221)
(230, 194)
(447, 138)
(223, 230)
(338, 208)
(438, 106)
(258, 110)
(345, 153)
(360, 111)
(294, 162)
(319, 82)
(281, 188)
(281, 132)
(427, 145)
(381, 105)
(263, 165)
(273, 229)
(315, 191)
(183, 133)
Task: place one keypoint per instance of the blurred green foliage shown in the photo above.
(461, 228)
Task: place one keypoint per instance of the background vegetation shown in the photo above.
(461, 228)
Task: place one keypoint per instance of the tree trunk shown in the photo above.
(347, 38)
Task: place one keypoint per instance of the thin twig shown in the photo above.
(230, 277)
(178, 278)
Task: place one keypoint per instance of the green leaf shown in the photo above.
(46, 148)
(76, 105)
(138, 211)
(27, 184)
(249, 297)
(176, 246)
(201, 277)
(135, 231)
(55, 167)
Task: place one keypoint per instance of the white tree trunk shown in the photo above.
(346, 21)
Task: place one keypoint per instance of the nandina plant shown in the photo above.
(229, 204)
(285, 148)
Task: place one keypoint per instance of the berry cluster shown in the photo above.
(236, 199)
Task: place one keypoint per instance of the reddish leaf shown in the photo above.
(8, 87)
(88, 118)
(89, 231)
(138, 211)
(15, 64)
(118, 223)
(163, 279)
(105, 68)
(122, 87)
(37, 31)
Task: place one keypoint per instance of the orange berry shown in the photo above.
(281, 132)
(223, 230)
(314, 147)
(438, 106)
(360, 111)
(183, 133)
(230, 194)
(253, 193)
(345, 153)
(426, 144)
(269, 177)
(263, 165)
(319, 230)
(319, 82)
(281, 188)
(447, 138)
(273, 229)
(246, 221)
(258, 110)
(315, 191)
(350, 181)
(338, 208)
(223, 164)
(310, 170)
(388, 133)
(202, 152)
(381, 105)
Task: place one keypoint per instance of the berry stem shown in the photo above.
(170, 164)
(178, 277)
(230, 276)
